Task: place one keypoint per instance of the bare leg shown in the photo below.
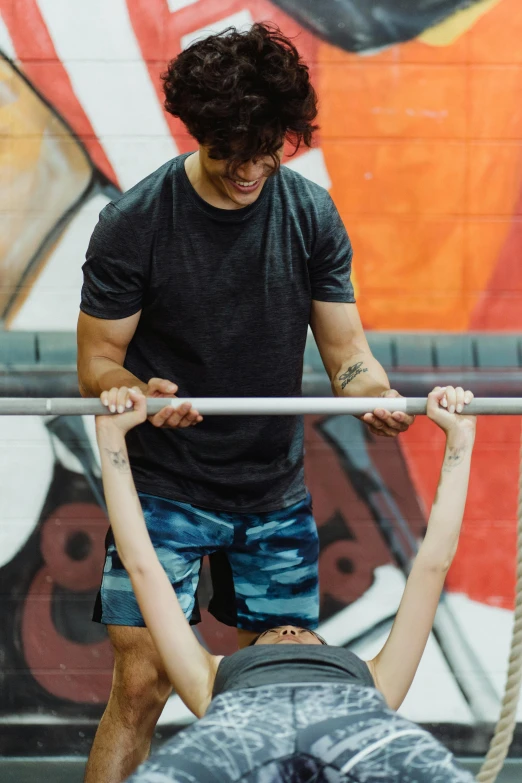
(140, 688)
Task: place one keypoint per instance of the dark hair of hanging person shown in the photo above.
(242, 94)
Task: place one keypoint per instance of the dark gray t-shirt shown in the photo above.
(225, 300)
(272, 664)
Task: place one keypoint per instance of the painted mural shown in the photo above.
(421, 148)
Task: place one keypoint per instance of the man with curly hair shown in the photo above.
(202, 280)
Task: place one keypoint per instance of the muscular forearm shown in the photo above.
(100, 374)
(360, 375)
(441, 540)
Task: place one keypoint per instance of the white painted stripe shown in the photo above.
(243, 20)
(177, 5)
(99, 51)
(379, 602)
(488, 630)
(26, 469)
(97, 30)
(6, 44)
(376, 745)
(175, 713)
(53, 301)
(312, 165)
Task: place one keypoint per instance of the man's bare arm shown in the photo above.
(102, 347)
(350, 364)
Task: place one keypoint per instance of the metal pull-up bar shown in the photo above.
(254, 406)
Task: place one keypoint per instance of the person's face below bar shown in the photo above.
(289, 634)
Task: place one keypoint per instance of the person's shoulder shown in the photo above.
(302, 187)
(139, 210)
(146, 196)
(307, 200)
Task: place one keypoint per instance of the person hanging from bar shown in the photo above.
(290, 706)
(202, 281)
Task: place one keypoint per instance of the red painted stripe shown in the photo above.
(484, 566)
(500, 306)
(42, 66)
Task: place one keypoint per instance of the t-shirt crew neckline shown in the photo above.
(224, 215)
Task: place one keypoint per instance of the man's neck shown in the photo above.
(204, 186)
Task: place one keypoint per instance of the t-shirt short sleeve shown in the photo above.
(113, 276)
(330, 266)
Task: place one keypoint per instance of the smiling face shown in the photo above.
(233, 188)
(289, 634)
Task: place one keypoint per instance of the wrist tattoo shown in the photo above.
(119, 460)
(453, 458)
(351, 373)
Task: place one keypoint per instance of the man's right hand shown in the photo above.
(184, 416)
(118, 400)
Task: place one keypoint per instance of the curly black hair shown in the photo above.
(242, 94)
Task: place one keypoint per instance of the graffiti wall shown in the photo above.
(420, 145)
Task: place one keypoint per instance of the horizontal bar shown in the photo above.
(253, 406)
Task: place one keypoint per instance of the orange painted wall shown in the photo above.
(423, 144)
(424, 147)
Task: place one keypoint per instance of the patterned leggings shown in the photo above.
(332, 733)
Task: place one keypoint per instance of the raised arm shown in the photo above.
(190, 667)
(350, 364)
(395, 666)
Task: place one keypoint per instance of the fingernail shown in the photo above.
(112, 408)
(451, 409)
(459, 408)
(444, 403)
(120, 408)
(128, 404)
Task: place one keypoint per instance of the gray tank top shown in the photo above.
(271, 664)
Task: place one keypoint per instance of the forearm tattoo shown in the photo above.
(351, 373)
(119, 460)
(453, 458)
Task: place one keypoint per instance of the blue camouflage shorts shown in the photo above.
(263, 566)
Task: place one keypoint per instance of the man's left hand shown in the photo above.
(386, 423)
